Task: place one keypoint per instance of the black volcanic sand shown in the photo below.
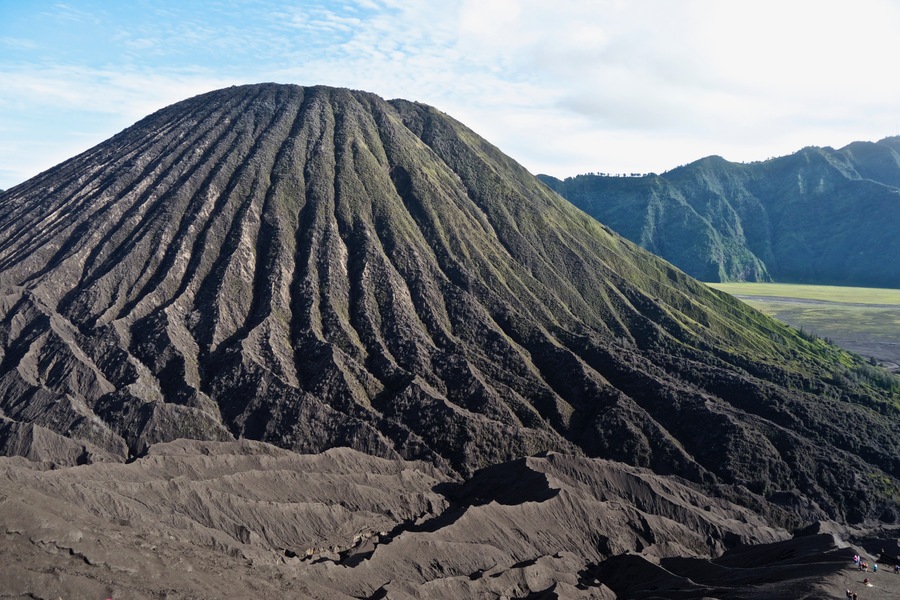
(249, 520)
(804, 567)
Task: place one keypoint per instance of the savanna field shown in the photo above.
(862, 320)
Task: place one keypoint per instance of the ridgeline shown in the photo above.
(819, 216)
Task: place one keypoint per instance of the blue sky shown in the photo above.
(564, 87)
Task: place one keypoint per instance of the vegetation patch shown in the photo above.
(863, 320)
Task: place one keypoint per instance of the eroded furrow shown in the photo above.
(80, 212)
(164, 242)
(138, 233)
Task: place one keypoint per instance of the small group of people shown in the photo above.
(863, 565)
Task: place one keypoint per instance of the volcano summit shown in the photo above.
(317, 267)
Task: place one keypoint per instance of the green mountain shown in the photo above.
(317, 267)
(820, 216)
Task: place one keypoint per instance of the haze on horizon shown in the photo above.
(607, 86)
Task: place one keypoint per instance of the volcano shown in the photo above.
(314, 267)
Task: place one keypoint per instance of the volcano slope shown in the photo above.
(317, 267)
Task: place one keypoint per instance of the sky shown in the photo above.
(564, 87)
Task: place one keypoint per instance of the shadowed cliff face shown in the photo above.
(316, 267)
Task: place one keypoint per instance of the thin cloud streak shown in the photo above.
(578, 86)
(97, 103)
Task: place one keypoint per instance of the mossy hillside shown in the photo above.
(638, 268)
(818, 216)
(759, 345)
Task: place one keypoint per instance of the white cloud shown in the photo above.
(15, 43)
(126, 94)
(599, 85)
(64, 111)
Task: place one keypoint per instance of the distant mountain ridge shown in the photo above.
(818, 216)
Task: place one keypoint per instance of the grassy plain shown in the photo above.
(825, 293)
(862, 320)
